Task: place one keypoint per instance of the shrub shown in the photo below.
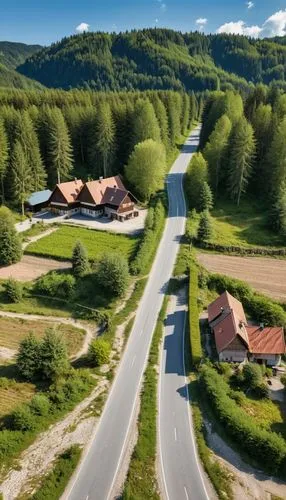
(252, 375)
(13, 290)
(21, 419)
(40, 405)
(195, 334)
(80, 263)
(99, 352)
(262, 391)
(113, 274)
(267, 448)
(56, 285)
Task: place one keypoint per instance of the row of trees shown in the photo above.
(86, 136)
(244, 151)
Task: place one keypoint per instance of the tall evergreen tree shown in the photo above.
(3, 158)
(162, 117)
(197, 174)
(22, 176)
(215, 150)
(58, 144)
(185, 120)
(206, 198)
(276, 159)
(105, 137)
(10, 243)
(241, 158)
(80, 264)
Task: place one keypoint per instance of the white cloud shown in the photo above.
(201, 21)
(275, 25)
(249, 5)
(82, 27)
(163, 5)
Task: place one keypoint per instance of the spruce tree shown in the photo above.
(185, 120)
(22, 176)
(10, 243)
(278, 212)
(162, 117)
(53, 358)
(206, 198)
(276, 159)
(105, 137)
(215, 150)
(80, 262)
(241, 158)
(28, 357)
(205, 227)
(145, 124)
(59, 149)
(3, 158)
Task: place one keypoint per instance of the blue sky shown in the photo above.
(46, 21)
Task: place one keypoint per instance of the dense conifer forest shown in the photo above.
(158, 59)
(51, 135)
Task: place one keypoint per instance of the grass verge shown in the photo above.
(141, 482)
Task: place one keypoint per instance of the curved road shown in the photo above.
(180, 468)
(97, 472)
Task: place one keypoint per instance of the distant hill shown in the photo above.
(11, 79)
(157, 59)
(13, 54)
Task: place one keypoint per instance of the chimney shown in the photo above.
(261, 326)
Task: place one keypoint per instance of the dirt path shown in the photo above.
(248, 483)
(32, 239)
(31, 268)
(265, 274)
(91, 330)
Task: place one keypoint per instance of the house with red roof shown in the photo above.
(107, 197)
(236, 340)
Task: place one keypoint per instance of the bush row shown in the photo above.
(267, 448)
(21, 426)
(194, 326)
(154, 225)
(240, 250)
(260, 307)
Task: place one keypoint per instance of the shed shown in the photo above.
(38, 200)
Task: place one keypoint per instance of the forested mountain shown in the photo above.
(158, 59)
(52, 133)
(13, 54)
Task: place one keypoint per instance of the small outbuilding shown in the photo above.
(38, 201)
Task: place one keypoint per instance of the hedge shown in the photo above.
(274, 252)
(154, 226)
(267, 448)
(259, 306)
(194, 325)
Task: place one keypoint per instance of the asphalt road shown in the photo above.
(180, 469)
(98, 471)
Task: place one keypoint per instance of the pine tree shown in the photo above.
(28, 357)
(22, 176)
(3, 158)
(242, 151)
(215, 150)
(278, 212)
(276, 159)
(162, 117)
(80, 262)
(53, 358)
(58, 144)
(105, 137)
(145, 124)
(205, 227)
(10, 243)
(146, 168)
(206, 198)
(185, 121)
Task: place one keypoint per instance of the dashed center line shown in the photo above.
(133, 361)
(175, 432)
(186, 493)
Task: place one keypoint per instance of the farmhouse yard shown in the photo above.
(31, 268)
(265, 274)
(60, 243)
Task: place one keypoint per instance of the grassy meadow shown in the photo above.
(13, 393)
(60, 244)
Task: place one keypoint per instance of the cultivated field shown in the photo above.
(60, 244)
(266, 275)
(31, 268)
(13, 330)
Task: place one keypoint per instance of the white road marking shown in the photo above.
(186, 493)
(87, 497)
(133, 361)
(175, 432)
(141, 333)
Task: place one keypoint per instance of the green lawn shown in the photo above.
(244, 226)
(60, 244)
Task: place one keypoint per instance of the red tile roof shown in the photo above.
(226, 302)
(70, 190)
(268, 340)
(97, 188)
(226, 331)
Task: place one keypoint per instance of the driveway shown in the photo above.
(131, 226)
